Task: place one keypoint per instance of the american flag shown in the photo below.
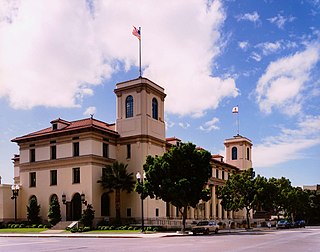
(136, 32)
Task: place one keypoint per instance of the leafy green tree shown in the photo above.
(298, 203)
(239, 192)
(88, 216)
(313, 212)
(266, 193)
(54, 213)
(281, 188)
(33, 210)
(116, 178)
(178, 177)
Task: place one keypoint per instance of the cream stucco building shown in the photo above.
(67, 159)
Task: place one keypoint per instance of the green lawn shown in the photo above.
(22, 230)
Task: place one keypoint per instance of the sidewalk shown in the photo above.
(62, 233)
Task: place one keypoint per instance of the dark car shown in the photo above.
(283, 224)
(300, 224)
(205, 227)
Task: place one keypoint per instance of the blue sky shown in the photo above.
(63, 59)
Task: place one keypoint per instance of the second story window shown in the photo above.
(248, 154)
(217, 173)
(53, 149)
(234, 153)
(223, 174)
(32, 155)
(154, 108)
(53, 177)
(105, 150)
(76, 175)
(128, 151)
(32, 179)
(129, 106)
(76, 150)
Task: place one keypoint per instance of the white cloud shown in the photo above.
(243, 45)
(257, 57)
(253, 17)
(210, 125)
(184, 125)
(90, 111)
(289, 145)
(284, 80)
(269, 47)
(280, 20)
(54, 46)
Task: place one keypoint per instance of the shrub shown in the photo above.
(16, 226)
(88, 216)
(34, 225)
(21, 226)
(40, 226)
(85, 229)
(130, 228)
(33, 210)
(54, 213)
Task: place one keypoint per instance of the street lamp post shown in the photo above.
(140, 181)
(15, 192)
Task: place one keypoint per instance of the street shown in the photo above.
(307, 239)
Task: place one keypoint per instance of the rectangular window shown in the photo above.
(53, 151)
(157, 212)
(128, 150)
(32, 155)
(76, 149)
(223, 174)
(53, 177)
(217, 173)
(105, 150)
(128, 212)
(32, 177)
(76, 175)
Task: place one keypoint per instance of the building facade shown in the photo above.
(67, 159)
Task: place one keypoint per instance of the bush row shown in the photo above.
(25, 226)
(154, 229)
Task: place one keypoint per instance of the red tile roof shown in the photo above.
(70, 126)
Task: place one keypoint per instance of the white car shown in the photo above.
(205, 227)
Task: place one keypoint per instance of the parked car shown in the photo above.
(283, 224)
(300, 224)
(205, 227)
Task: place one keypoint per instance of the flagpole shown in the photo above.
(238, 122)
(140, 53)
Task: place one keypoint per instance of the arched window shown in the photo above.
(234, 152)
(129, 106)
(248, 154)
(154, 108)
(105, 205)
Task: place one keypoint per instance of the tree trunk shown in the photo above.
(117, 203)
(184, 217)
(248, 222)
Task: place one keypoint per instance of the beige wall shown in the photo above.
(6, 204)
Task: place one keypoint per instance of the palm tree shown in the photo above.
(116, 178)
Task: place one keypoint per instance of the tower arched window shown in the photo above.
(248, 153)
(129, 106)
(154, 108)
(234, 153)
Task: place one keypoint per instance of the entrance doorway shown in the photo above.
(74, 208)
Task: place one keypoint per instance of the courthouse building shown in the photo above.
(67, 159)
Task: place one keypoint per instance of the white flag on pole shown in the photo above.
(235, 109)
